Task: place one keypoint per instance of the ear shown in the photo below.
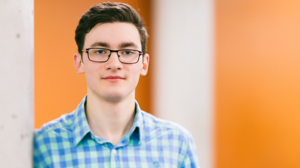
(145, 65)
(78, 63)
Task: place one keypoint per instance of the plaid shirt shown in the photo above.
(151, 143)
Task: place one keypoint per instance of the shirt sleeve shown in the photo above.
(189, 155)
(36, 153)
(38, 157)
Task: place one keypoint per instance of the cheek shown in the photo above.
(136, 74)
(92, 72)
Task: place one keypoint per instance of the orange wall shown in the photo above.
(58, 88)
(257, 84)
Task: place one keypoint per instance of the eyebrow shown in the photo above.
(127, 44)
(122, 45)
(100, 44)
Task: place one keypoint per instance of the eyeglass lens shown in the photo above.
(102, 55)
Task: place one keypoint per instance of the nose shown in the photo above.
(113, 62)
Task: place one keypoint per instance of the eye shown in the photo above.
(100, 51)
(127, 52)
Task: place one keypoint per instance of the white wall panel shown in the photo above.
(183, 68)
(16, 83)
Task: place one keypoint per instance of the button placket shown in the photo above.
(113, 158)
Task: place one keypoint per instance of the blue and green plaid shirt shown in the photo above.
(151, 143)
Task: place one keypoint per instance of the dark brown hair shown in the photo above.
(108, 13)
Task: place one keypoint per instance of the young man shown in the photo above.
(108, 128)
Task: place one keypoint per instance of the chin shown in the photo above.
(116, 97)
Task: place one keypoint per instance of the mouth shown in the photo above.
(113, 78)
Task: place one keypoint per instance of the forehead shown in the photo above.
(113, 34)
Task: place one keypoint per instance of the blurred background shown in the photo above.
(226, 70)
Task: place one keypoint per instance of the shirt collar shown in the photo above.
(135, 134)
(81, 126)
(138, 120)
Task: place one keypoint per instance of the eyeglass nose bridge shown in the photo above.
(117, 52)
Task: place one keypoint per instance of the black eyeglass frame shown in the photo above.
(111, 51)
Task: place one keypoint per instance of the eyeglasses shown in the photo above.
(125, 56)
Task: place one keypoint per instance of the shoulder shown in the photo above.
(62, 125)
(171, 134)
(153, 123)
(57, 127)
(49, 137)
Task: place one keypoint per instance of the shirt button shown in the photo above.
(93, 137)
(114, 151)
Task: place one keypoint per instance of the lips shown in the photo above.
(113, 78)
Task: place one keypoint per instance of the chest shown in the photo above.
(149, 155)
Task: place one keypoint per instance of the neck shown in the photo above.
(110, 120)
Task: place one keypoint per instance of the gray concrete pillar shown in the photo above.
(16, 83)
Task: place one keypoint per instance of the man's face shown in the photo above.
(112, 80)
